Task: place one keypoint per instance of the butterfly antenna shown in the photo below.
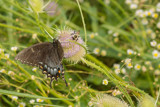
(63, 76)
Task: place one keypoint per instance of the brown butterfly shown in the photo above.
(47, 56)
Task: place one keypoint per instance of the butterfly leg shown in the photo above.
(63, 76)
(51, 81)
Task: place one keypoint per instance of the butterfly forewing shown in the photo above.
(46, 53)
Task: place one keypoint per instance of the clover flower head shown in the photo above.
(72, 44)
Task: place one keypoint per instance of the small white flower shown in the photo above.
(1, 50)
(158, 46)
(144, 69)
(92, 35)
(32, 101)
(39, 100)
(116, 92)
(127, 60)
(110, 32)
(2, 70)
(130, 51)
(123, 71)
(155, 54)
(133, 6)
(14, 98)
(155, 15)
(139, 13)
(36, 106)
(144, 21)
(14, 48)
(115, 34)
(96, 51)
(103, 53)
(158, 7)
(137, 67)
(6, 55)
(129, 65)
(157, 72)
(70, 79)
(149, 31)
(153, 35)
(158, 25)
(90, 103)
(22, 104)
(34, 36)
(105, 82)
(147, 62)
(116, 66)
(128, 1)
(34, 69)
(117, 71)
(33, 77)
(153, 43)
(10, 73)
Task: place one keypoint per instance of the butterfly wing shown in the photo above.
(46, 53)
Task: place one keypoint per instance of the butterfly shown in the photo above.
(47, 56)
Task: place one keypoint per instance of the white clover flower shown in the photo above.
(155, 54)
(129, 65)
(116, 66)
(34, 36)
(130, 51)
(137, 67)
(90, 103)
(123, 71)
(155, 15)
(14, 98)
(103, 53)
(158, 25)
(153, 43)
(158, 7)
(96, 51)
(105, 82)
(153, 35)
(128, 1)
(158, 46)
(14, 48)
(144, 21)
(110, 32)
(6, 55)
(39, 100)
(115, 34)
(1, 50)
(2, 70)
(133, 6)
(34, 69)
(31, 101)
(22, 104)
(117, 71)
